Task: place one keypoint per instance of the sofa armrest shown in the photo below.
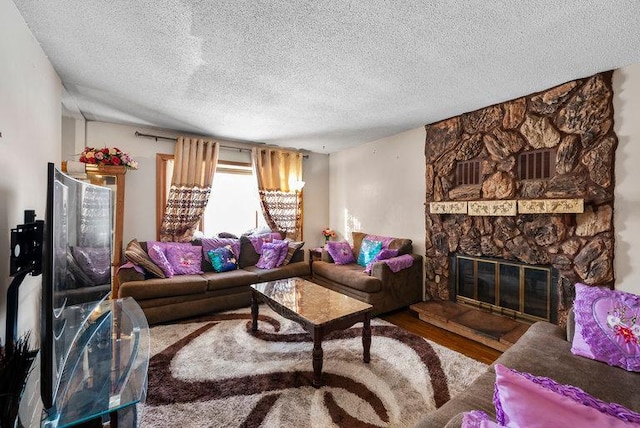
(325, 256)
(126, 274)
(382, 271)
(406, 284)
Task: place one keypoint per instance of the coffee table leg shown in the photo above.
(366, 337)
(317, 357)
(254, 312)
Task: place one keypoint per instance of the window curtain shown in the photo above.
(279, 175)
(194, 165)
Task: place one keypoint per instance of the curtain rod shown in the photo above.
(160, 137)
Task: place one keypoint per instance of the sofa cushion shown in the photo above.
(350, 275)
(185, 259)
(157, 287)
(230, 279)
(293, 246)
(137, 255)
(285, 271)
(404, 246)
(223, 259)
(368, 251)
(209, 244)
(159, 257)
(607, 326)
(340, 252)
(271, 254)
(248, 254)
(524, 400)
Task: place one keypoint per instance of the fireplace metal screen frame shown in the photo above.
(552, 278)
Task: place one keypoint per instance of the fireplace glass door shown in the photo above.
(506, 287)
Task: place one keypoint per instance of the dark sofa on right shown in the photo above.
(384, 289)
(542, 351)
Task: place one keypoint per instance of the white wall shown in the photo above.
(626, 103)
(30, 118)
(379, 188)
(140, 192)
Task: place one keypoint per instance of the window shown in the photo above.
(233, 205)
(536, 165)
(468, 172)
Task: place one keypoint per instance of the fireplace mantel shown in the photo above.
(509, 207)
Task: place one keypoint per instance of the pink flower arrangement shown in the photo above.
(107, 156)
(328, 233)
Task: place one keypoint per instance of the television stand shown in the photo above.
(104, 374)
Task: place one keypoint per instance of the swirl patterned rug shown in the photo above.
(213, 372)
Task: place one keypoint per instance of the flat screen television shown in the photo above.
(76, 271)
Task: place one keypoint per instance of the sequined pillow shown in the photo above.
(607, 326)
(185, 259)
(368, 251)
(340, 252)
(271, 254)
(223, 259)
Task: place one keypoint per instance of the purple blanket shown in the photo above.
(396, 264)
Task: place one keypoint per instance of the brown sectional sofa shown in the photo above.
(542, 351)
(384, 289)
(167, 299)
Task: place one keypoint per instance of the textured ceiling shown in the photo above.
(322, 75)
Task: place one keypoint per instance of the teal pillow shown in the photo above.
(368, 251)
(223, 259)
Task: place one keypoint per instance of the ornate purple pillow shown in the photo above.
(270, 255)
(185, 259)
(284, 246)
(156, 254)
(384, 254)
(607, 326)
(524, 400)
(340, 252)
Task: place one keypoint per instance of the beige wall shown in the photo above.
(140, 195)
(379, 188)
(30, 111)
(626, 103)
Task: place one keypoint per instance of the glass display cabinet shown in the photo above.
(113, 177)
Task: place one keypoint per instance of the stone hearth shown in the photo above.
(574, 121)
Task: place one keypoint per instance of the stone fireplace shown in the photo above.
(554, 144)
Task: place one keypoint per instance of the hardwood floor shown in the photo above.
(408, 320)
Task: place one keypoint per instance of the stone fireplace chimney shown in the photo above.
(520, 156)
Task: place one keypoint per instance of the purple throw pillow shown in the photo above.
(209, 244)
(158, 256)
(340, 252)
(185, 259)
(607, 326)
(384, 254)
(524, 400)
(284, 246)
(270, 255)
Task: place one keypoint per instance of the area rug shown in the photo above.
(213, 372)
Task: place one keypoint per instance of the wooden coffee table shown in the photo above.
(317, 309)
